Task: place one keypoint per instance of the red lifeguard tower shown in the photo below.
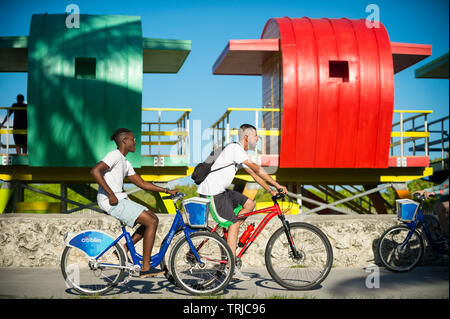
(328, 103)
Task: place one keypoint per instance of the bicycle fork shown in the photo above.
(287, 231)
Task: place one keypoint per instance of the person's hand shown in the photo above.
(424, 193)
(173, 191)
(282, 188)
(113, 200)
(273, 193)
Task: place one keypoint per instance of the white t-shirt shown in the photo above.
(119, 168)
(216, 182)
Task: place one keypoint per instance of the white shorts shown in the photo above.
(127, 211)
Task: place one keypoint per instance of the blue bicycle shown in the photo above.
(401, 247)
(200, 262)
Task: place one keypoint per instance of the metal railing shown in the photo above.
(7, 130)
(161, 134)
(175, 135)
(223, 132)
(416, 129)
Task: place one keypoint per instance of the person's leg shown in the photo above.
(149, 220)
(442, 213)
(136, 237)
(233, 230)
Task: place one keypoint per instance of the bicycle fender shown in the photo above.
(92, 242)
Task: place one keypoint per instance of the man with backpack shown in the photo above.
(220, 175)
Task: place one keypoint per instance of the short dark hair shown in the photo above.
(20, 97)
(119, 132)
(246, 126)
(245, 129)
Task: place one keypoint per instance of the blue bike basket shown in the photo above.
(406, 210)
(197, 212)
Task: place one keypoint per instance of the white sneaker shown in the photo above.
(238, 275)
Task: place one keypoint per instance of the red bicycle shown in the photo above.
(298, 255)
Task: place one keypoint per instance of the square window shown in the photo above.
(339, 70)
(85, 68)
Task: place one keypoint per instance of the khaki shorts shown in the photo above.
(127, 211)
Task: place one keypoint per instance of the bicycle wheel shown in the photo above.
(395, 256)
(165, 262)
(210, 275)
(308, 266)
(90, 277)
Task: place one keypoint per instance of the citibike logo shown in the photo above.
(91, 240)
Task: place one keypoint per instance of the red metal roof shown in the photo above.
(245, 57)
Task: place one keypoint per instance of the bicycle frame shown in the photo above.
(419, 221)
(271, 212)
(156, 259)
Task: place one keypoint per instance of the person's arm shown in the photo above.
(97, 173)
(137, 180)
(10, 112)
(260, 181)
(440, 190)
(258, 170)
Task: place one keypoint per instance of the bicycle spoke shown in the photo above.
(397, 255)
(207, 276)
(307, 266)
(88, 276)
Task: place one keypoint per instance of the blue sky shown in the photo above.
(210, 24)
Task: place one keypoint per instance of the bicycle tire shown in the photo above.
(392, 256)
(68, 269)
(209, 278)
(291, 272)
(165, 262)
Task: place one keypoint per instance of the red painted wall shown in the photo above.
(338, 92)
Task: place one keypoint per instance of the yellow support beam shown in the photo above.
(44, 207)
(253, 109)
(165, 109)
(356, 176)
(164, 133)
(160, 143)
(410, 134)
(13, 131)
(413, 111)
(260, 132)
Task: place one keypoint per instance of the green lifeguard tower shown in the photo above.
(83, 83)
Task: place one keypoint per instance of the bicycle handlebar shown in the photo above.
(422, 197)
(177, 196)
(280, 195)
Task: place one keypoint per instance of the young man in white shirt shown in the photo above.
(109, 174)
(223, 200)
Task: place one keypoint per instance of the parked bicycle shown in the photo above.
(298, 255)
(401, 247)
(93, 262)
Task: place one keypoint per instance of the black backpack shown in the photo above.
(202, 170)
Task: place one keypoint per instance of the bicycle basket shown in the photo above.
(197, 212)
(406, 210)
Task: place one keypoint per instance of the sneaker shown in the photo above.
(238, 275)
(150, 273)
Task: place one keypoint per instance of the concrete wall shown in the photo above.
(37, 240)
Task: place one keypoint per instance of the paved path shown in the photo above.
(342, 283)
